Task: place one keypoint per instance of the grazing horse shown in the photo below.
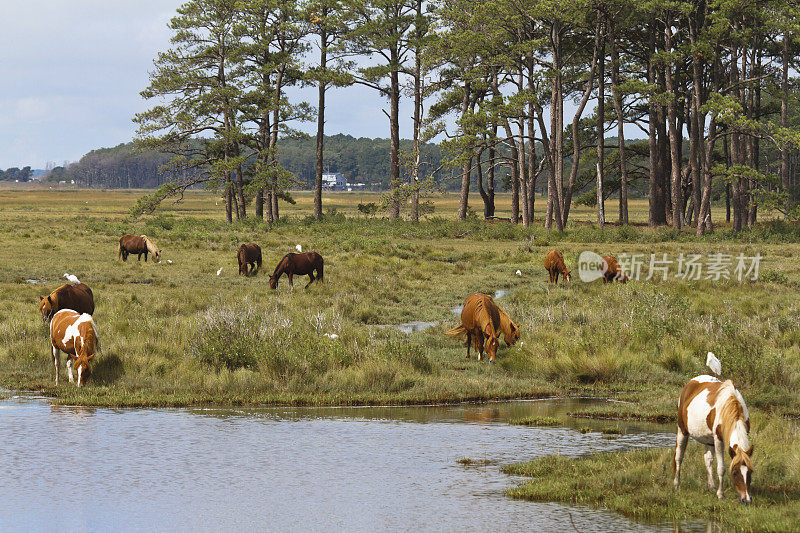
(77, 297)
(612, 270)
(480, 319)
(508, 328)
(713, 413)
(554, 264)
(137, 244)
(76, 335)
(249, 254)
(301, 264)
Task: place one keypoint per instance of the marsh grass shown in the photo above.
(177, 334)
(536, 421)
(639, 483)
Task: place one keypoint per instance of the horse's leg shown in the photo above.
(69, 369)
(680, 448)
(311, 276)
(145, 256)
(291, 283)
(708, 458)
(479, 340)
(719, 448)
(556, 276)
(56, 361)
(469, 341)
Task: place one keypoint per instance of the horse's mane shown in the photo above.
(151, 246)
(275, 272)
(731, 412)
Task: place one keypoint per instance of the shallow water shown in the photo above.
(410, 327)
(278, 469)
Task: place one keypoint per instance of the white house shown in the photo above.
(334, 181)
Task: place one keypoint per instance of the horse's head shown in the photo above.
(741, 471)
(273, 282)
(622, 277)
(46, 308)
(83, 366)
(568, 275)
(492, 344)
(512, 335)
(152, 248)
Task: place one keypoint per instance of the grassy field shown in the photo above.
(178, 334)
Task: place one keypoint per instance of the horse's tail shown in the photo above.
(457, 332)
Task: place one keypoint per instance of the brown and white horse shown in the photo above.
(713, 413)
(554, 264)
(302, 264)
(76, 335)
(249, 254)
(137, 244)
(480, 318)
(77, 297)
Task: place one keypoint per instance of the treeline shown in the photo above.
(361, 160)
(712, 85)
(12, 174)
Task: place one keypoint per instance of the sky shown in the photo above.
(71, 72)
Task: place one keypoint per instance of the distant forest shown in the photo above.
(360, 160)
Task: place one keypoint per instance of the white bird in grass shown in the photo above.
(71, 278)
(219, 271)
(299, 248)
(169, 261)
(713, 363)
(519, 272)
(332, 336)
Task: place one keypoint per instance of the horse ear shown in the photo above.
(732, 450)
(41, 298)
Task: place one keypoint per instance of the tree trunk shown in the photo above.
(466, 167)
(321, 89)
(394, 149)
(785, 185)
(674, 141)
(601, 124)
(623, 167)
(417, 120)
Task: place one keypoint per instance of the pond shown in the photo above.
(278, 469)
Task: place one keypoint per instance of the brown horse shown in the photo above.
(508, 328)
(554, 264)
(612, 270)
(301, 264)
(249, 254)
(76, 335)
(77, 297)
(480, 319)
(137, 244)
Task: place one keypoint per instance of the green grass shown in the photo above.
(638, 483)
(536, 421)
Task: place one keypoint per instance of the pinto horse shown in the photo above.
(77, 297)
(76, 335)
(480, 319)
(554, 264)
(301, 264)
(612, 270)
(713, 413)
(137, 244)
(249, 254)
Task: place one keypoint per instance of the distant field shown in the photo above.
(178, 334)
(202, 204)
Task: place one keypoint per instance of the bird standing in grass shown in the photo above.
(713, 363)
(71, 278)
(299, 249)
(219, 271)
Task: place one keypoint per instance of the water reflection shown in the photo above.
(277, 469)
